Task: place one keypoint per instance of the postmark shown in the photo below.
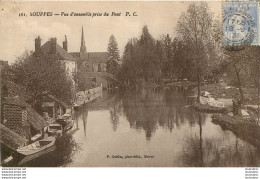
(240, 24)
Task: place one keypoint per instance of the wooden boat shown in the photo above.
(66, 122)
(55, 129)
(36, 155)
(37, 146)
(7, 160)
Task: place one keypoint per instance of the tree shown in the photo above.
(113, 56)
(195, 30)
(168, 64)
(42, 74)
(147, 55)
(81, 82)
(131, 67)
(142, 59)
(242, 64)
(162, 56)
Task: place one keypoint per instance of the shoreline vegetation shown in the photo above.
(222, 94)
(245, 126)
(246, 129)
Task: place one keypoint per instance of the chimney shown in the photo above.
(37, 44)
(65, 44)
(53, 45)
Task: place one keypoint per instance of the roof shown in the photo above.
(10, 138)
(107, 76)
(75, 54)
(93, 57)
(15, 101)
(60, 52)
(2, 62)
(48, 104)
(65, 105)
(35, 120)
(98, 57)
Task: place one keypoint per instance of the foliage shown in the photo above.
(142, 59)
(195, 31)
(81, 81)
(42, 74)
(242, 66)
(113, 56)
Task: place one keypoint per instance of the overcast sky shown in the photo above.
(17, 34)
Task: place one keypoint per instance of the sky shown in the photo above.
(17, 34)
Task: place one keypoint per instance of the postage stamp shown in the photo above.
(240, 23)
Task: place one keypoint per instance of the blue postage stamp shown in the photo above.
(240, 23)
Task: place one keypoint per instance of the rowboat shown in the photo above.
(36, 155)
(55, 129)
(37, 146)
(66, 122)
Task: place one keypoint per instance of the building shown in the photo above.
(90, 61)
(51, 47)
(53, 108)
(3, 64)
(107, 80)
(19, 117)
(11, 139)
(93, 67)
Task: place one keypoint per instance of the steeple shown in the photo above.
(65, 44)
(83, 50)
(82, 38)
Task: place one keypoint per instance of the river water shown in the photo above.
(147, 128)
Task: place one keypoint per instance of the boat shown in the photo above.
(36, 155)
(37, 146)
(55, 129)
(66, 122)
(7, 160)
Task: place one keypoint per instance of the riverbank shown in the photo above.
(208, 109)
(220, 96)
(244, 128)
(184, 84)
(221, 90)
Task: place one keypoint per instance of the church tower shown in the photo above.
(83, 49)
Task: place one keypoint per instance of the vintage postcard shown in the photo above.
(130, 84)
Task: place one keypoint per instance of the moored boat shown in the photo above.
(66, 122)
(37, 146)
(55, 129)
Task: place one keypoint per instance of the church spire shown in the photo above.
(83, 49)
(82, 38)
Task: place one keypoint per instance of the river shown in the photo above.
(147, 128)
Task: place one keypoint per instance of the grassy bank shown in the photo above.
(246, 129)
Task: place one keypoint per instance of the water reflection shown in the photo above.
(147, 110)
(148, 122)
(200, 151)
(114, 117)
